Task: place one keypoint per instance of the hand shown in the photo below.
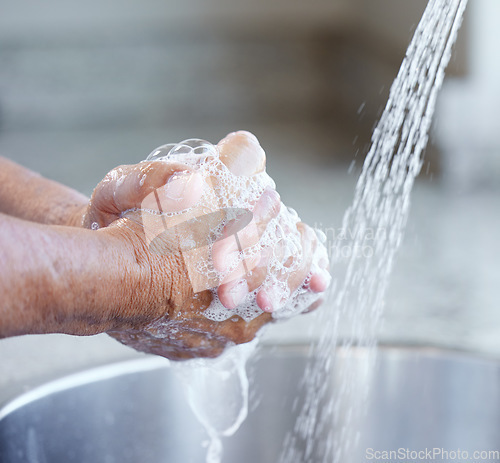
(175, 325)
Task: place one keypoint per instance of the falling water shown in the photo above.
(217, 392)
(326, 430)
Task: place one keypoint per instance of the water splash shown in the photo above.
(217, 392)
(327, 430)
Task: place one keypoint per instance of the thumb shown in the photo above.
(155, 185)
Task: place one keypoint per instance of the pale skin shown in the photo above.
(59, 276)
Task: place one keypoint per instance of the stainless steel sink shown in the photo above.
(136, 412)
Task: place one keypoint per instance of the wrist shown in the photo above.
(121, 281)
(130, 273)
(96, 289)
(60, 279)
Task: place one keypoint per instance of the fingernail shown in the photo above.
(242, 154)
(238, 292)
(176, 185)
(264, 302)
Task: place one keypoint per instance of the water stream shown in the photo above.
(327, 428)
(217, 392)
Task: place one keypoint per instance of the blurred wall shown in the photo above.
(127, 63)
(322, 68)
(123, 63)
(468, 126)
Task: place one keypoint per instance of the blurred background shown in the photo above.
(86, 86)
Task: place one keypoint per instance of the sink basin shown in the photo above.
(136, 412)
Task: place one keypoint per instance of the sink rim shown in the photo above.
(149, 363)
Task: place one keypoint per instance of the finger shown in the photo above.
(319, 282)
(267, 303)
(247, 277)
(272, 297)
(125, 188)
(242, 154)
(320, 278)
(308, 242)
(224, 251)
(256, 276)
(264, 301)
(232, 294)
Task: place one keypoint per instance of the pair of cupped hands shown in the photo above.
(166, 315)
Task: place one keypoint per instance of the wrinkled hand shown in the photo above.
(129, 201)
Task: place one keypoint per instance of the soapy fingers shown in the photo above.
(174, 186)
(243, 155)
